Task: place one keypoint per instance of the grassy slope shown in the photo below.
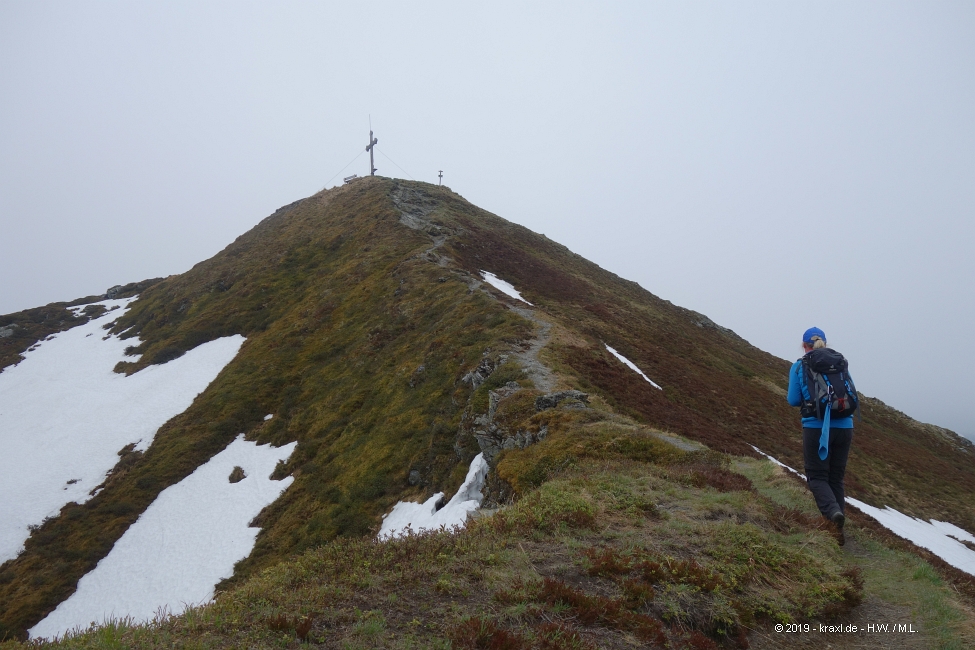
(342, 305)
(675, 550)
(339, 315)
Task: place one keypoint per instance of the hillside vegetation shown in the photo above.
(682, 550)
(376, 346)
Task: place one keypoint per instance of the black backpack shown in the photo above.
(829, 384)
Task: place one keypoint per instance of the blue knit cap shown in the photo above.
(811, 332)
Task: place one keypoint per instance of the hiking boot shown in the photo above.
(838, 520)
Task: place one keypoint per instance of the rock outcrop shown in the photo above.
(491, 432)
(569, 398)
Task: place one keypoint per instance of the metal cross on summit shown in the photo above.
(369, 148)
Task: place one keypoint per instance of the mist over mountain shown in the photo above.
(370, 346)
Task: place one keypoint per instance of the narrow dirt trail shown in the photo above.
(824, 636)
(415, 209)
(538, 372)
(878, 622)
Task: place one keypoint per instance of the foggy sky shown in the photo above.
(772, 165)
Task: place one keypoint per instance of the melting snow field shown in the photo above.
(935, 536)
(932, 535)
(632, 366)
(502, 286)
(64, 416)
(407, 515)
(181, 546)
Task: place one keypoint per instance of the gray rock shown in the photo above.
(417, 375)
(490, 447)
(8, 330)
(493, 441)
(576, 399)
(113, 292)
(495, 397)
(704, 322)
(414, 477)
(485, 369)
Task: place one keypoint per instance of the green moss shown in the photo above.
(576, 435)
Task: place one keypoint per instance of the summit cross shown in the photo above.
(369, 148)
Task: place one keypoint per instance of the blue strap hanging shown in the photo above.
(824, 437)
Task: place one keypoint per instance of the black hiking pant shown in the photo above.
(825, 477)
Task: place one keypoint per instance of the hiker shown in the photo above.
(827, 422)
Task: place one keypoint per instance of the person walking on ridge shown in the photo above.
(820, 385)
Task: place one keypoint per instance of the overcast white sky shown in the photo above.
(772, 165)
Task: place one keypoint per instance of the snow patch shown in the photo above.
(185, 542)
(502, 286)
(410, 516)
(939, 537)
(268, 416)
(632, 366)
(936, 536)
(64, 416)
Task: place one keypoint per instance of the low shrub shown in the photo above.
(575, 436)
(477, 633)
(546, 510)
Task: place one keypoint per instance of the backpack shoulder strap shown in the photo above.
(809, 381)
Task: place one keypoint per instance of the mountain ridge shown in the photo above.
(364, 311)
